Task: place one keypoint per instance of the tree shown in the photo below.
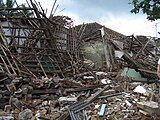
(149, 7)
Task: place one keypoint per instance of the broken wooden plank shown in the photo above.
(95, 95)
(84, 88)
(45, 91)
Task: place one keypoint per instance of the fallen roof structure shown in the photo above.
(33, 45)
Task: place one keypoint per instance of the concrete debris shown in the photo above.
(50, 100)
(150, 107)
(63, 99)
(140, 89)
(25, 114)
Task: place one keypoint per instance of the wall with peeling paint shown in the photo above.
(94, 52)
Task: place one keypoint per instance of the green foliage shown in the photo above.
(149, 7)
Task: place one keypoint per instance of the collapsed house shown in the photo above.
(36, 44)
(112, 50)
(50, 69)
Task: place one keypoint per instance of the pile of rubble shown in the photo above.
(102, 96)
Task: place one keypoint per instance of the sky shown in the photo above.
(113, 14)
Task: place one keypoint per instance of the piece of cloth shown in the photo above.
(159, 61)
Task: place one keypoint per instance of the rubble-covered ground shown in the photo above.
(86, 97)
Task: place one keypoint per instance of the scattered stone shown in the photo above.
(26, 114)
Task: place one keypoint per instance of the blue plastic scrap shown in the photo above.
(101, 112)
